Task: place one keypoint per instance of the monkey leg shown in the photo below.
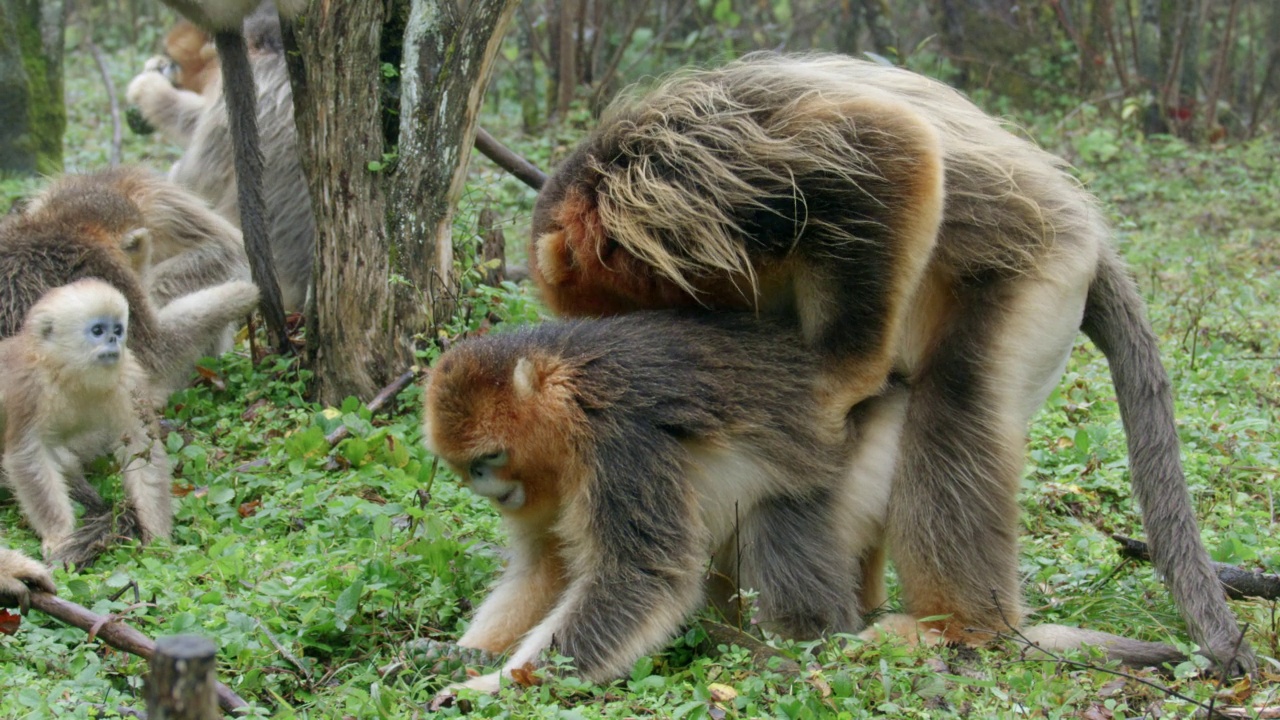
(874, 432)
(148, 483)
(953, 512)
(871, 590)
(525, 594)
(85, 494)
(806, 587)
(36, 476)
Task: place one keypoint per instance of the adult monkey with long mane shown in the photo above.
(903, 230)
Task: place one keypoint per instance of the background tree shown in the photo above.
(33, 116)
(385, 127)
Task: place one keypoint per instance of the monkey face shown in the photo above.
(484, 476)
(504, 422)
(104, 337)
(83, 327)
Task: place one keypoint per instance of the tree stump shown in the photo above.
(181, 685)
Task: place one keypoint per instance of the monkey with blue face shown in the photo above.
(72, 392)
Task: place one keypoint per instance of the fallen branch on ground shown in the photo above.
(382, 398)
(1238, 582)
(118, 635)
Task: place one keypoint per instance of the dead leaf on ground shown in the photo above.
(9, 622)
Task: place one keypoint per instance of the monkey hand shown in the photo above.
(19, 575)
(146, 86)
(448, 697)
(522, 675)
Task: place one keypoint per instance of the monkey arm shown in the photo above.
(187, 324)
(172, 111)
(528, 590)
(204, 266)
(635, 547)
(18, 575)
(35, 474)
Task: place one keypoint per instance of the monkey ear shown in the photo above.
(527, 379)
(554, 257)
(134, 239)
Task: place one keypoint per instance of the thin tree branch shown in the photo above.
(1236, 581)
(524, 171)
(374, 405)
(117, 134)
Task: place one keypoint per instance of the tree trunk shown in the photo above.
(849, 27)
(879, 22)
(384, 226)
(33, 112)
(527, 80)
(1149, 65)
(567, 75)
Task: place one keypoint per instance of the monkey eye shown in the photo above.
(485, 464)
(118, 330)
(97, 330)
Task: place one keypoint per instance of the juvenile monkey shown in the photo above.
(79, 236)
(624, 452)
(621, 454)
(189, 109)
(902, 230)
(72, 392)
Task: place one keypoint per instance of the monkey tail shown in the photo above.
(1115, 320)
(1135, 653)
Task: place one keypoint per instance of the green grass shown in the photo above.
(312, 566)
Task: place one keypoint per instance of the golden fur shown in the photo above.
(110, 225)
(71, 393)
(621, 453)
(901, 230)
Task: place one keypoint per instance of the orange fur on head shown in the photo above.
(476, 407)
(193, 51)
(594, 276)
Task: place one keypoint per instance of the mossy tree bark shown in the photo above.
(386, 96)
(33, 112)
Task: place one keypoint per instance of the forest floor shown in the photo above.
(312, 566)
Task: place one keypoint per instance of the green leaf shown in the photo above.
(349, 601)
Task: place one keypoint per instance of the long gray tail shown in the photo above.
(1135, 653)
(1114, 319)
